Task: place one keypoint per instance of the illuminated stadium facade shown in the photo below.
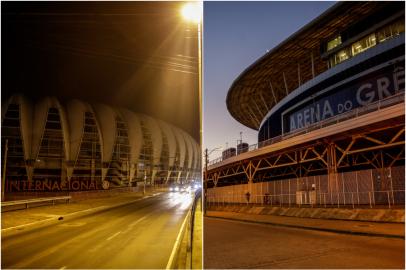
(54, 146)
(328, 103)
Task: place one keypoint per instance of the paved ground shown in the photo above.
(35, 214)
(136, 235)
(236, 244)
(356, 227)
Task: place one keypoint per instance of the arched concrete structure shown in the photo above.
(73, 117)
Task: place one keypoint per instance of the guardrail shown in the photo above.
(184, 243)
(374, 106)
(32, 201)
(198, 195)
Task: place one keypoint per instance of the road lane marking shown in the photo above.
(137, 221)
(75, 213)
(122, 232)
(114, 235)
(56, 248)
(177, 242)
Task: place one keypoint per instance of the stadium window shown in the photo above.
(339, 57)
(391, 30)
(333, 43)
(343, 55)
(363, 44)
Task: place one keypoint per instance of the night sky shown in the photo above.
(235, 35)
(138, 55)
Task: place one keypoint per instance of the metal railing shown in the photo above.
(35, 201)
(371, 199)
(374, 106)
(198, 195)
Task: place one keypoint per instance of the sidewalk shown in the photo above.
(396, 230)
(197, 259)
(11, 219)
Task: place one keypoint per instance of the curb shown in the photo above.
(313, 228)
(175, 250)
(7, 232)
(317, 213)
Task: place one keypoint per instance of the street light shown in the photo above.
(192, 12)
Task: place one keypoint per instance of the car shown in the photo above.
(174, 188)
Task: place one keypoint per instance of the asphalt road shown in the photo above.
(233, 244)
(138, 235)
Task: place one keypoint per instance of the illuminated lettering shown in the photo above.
(47, 185)
(38, 185)
(383, 84)
(299, 120)
(369, 95)
(315, 114)
(399, 79)
(55, 186)
(327, 110)
(75, 185)
(306, 117)
(84, 185)
(348, 105)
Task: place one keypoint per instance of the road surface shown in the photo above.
(234, 244)
(138, 235)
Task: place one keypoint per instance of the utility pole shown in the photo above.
(3, 179)
(206, 160)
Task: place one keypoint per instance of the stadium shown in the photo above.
(53, 146)
(328, 104)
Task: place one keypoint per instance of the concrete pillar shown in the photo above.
(332, 168)
(167, 177)
(132, 173)
(104, 173)
(30, 173)
(178, 177)
(154, 172)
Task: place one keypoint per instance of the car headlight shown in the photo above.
(171, 189)
(176, 189)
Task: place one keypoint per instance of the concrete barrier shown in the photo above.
(376, 215)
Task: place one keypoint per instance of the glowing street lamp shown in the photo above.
(192, 12)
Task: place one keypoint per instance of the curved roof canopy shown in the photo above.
(280, 71)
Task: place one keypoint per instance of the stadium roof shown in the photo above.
(281, 70)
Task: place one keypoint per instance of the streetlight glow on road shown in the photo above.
(192, 12)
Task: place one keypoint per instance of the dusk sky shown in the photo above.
(137, 55)
(235, 35)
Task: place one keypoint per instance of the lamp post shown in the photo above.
(192, 12)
